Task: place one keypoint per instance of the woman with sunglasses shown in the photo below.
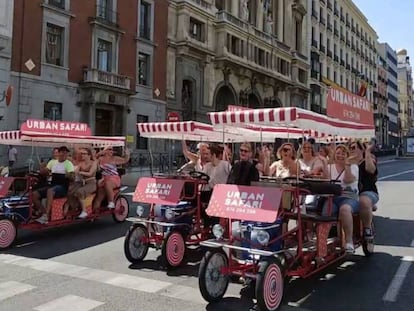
(286, 166)
(108, 166)
(310, 164)
(85, 181)
(368, 191)
(345, 171)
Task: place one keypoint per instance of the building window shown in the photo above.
(105, 11)
(145, 20)
(196, 30)
(54, 44)
(52, 111)
(142, 142)
(143, 68)
(104, 55)
(57, 3)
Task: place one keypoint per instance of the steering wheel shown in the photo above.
(199, 175)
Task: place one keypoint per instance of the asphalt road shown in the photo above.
(83, 268)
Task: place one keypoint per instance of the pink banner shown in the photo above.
(158, 190)
(5, 183)
(57, 128)
(245, 203)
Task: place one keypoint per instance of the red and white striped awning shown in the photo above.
(290, 117)
(188, 130)
(18, 138)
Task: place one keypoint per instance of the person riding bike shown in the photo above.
(62, 171)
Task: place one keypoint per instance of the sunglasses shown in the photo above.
(244, 150)
(286, 149)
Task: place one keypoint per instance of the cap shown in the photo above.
(63, 149)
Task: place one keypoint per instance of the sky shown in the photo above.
(391, 19)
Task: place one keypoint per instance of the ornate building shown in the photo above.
(405, 92)
(6, 30)
(251, 53)
(343, 50)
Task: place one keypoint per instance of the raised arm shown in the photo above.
(188, 154)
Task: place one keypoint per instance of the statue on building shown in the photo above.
(269, 24)
(245, 10)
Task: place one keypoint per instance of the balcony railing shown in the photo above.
(106, 15)
(204, 4)
(224, 16)
(107, 78)
(314, 43)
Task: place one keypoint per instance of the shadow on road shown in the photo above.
(188, 268)
(393, 232)
(54, 242)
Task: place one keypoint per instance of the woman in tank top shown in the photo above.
(108, 165)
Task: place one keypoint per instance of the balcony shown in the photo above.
(329, 53)
(348, 67)
(106, 15)
(106, 78)
(348, 43)
(202, 3)
(348, 24)
(322, 20)
(314, 74)
(336, 12)
(336, 32)
(342, 63)
(314, 13)
(353, 29)
(329, 5)
(343, 38)
(322, 48)
(336, 58)
(342, 18)
(314, 43)
(223, 16)
(329, 27)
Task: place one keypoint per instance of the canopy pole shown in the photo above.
(151, 158)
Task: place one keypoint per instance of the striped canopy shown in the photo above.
(18, 138)
(291, 117)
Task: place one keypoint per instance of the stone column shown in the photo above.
(234, 7)
(280, 19)
(259, 14)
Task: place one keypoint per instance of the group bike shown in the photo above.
(264, 234)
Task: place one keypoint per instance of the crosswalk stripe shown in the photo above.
(101, 276)
(69, 303)
(11, 288)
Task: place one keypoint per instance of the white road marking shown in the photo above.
(397, 174)
(101, 276)
(399, 277)
(69, 303)
(12, 288)
(386, 161)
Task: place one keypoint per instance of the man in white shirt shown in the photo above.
(12, 155)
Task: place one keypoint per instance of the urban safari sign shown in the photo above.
(347, 106)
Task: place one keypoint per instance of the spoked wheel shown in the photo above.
(368, 246)
(211, 281)
(270, 284)
(173, 249)
(136, 243)
(8, 233)
(121, 209)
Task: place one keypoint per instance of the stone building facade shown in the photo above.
(405, 91)
(251, 53)
(343, 50)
